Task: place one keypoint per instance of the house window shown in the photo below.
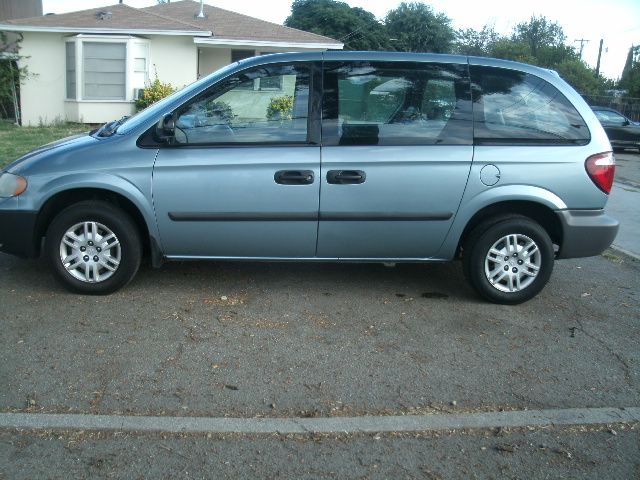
(106, 68)
(140, 64)
(104, 71)
(71, 69)
(237, 55)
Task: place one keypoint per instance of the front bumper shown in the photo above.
(17, 233)
(586, 233)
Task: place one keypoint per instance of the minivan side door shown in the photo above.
(397, 147)
(241, 177)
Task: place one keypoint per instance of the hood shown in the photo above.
(42, 153)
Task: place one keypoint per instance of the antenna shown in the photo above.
(201, 14)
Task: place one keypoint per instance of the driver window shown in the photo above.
(266, 104)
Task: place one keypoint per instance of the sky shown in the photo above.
(617, 22)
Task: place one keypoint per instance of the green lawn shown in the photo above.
(16, 141)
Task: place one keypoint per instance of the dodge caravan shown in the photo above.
(327, 156)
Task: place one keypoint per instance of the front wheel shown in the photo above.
(93, 247)
(508, 260)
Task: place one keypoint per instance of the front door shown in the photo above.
(241, 178)
(397, 150)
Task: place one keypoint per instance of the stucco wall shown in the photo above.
(42, 93)
(96, 112)
(211, 59)
(175, 59)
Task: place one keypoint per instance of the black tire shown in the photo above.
(478, 244)
(111, 217)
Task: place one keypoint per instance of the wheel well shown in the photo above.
(62, 200)
(535, 211)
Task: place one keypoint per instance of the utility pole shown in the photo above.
(599, 55)
(582, 42)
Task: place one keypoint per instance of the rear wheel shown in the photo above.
(508, 260)
(93, 247)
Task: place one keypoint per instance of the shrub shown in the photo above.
(219, 110)
(154, 92)
(280, 108)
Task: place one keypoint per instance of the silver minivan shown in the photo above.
(327, 156)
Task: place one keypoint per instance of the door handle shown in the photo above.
(346, 177)
(294, 177)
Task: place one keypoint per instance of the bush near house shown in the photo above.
(280, 108)
(153, 93)
(15, 141)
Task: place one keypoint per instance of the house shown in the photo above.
(88, 66)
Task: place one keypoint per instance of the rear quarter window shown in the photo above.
(512, 107)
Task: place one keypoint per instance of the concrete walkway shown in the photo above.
(624, 204)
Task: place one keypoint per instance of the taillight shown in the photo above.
(601, 168)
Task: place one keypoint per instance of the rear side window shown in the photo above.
(512, 107)
(385, 103)
(610, 117)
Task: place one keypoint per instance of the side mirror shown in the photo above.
(166, 129)
(626, 122)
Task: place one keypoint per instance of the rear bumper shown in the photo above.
(17, 232)
(585, 233)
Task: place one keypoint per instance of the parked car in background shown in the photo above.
(328, 156)
(622, 132)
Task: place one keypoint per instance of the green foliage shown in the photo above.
(630, 79)
(417, 28)
(220, 110)
(280, 108)
(583, 78)
(11, 74)
(539, 32)
(355, 27)
(475, 42)
(153, 93)
(538, 42)
(511, 50)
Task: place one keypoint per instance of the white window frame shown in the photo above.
(129, 42)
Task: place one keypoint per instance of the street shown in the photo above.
(282, 340)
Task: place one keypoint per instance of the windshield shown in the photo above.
(167, 103)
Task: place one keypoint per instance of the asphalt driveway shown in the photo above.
(249, 339)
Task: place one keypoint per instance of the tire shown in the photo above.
(110, 243)
(520, 271)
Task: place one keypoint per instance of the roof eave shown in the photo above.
(267, 43)
(140, 31)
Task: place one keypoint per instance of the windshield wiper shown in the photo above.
(109, 128)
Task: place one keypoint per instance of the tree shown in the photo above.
(415, 27)
(357, 28)
(475, 42)
(581, 77)
(11, 74)
(630, 79)
(539, 32)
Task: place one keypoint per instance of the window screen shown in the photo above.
(396, 104)
(235, 112)
(104, 70)
(512, 107)
(71, 69)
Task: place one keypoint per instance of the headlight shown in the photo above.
(12, 185)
